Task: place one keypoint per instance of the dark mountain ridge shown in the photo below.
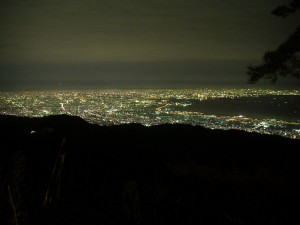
(63, 170)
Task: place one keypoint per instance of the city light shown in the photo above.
(154, 106)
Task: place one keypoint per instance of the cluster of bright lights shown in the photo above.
(148, 107)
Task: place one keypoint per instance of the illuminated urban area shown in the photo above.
(242, 109)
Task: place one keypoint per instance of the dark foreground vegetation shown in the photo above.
(62, 170)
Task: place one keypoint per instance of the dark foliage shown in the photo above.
(284, 61)
(62, 170)
(285, 10)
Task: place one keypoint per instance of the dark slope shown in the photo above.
(62, 170)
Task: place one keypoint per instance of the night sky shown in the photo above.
(136, 43)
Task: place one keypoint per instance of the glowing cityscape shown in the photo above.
(158, 106)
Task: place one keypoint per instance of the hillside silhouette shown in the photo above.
(63, 170)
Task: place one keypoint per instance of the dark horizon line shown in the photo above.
(100, 88)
